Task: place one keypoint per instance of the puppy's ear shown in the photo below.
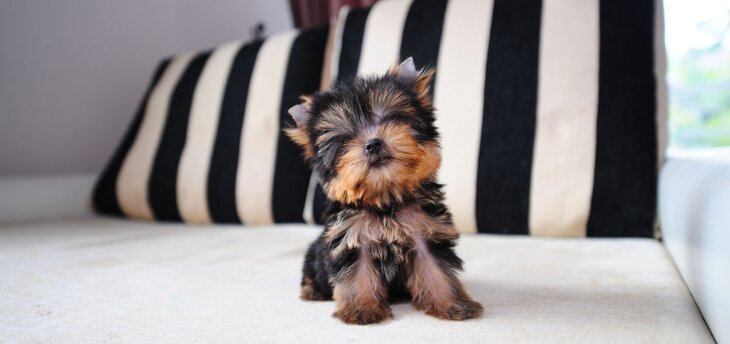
(405, 72)
(418, 80)
(301, 114)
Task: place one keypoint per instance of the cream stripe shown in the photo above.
(660, 73)
(459, 102)
(333, 58)
(324, 75)
(567, 105)
(260, 133)
(309, 200)
(192, 173)
(383, 32)
(132, 190)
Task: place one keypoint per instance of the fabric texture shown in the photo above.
(206, 144)
(547, 109)
(694, 198)
(111, 280)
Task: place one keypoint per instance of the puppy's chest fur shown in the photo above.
(389, 239)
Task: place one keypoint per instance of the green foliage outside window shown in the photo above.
(698, 73)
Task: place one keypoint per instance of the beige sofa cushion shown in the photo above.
(103, 280)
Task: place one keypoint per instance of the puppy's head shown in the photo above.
(371, 140)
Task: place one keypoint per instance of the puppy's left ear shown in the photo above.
(301, 114)
(418, 80)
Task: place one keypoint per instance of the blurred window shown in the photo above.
(698, 47)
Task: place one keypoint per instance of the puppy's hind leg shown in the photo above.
(315, 279)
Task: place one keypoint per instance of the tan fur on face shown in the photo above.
(412, 164)
(300, 136)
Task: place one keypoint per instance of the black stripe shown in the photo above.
(508, 123)
(422, 33)
(624, 185)
(224, 161)
(291, 175)
(105, 191)
(162, 191)
(320, 204)
(352, 36)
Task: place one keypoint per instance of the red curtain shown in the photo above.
(308, 13)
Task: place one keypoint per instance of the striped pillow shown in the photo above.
(206, 144)
(551, 112)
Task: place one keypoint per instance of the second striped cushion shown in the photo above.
(548, 110)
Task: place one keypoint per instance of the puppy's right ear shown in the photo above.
(300, 134)
(418, 80)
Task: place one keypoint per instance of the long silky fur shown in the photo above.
(388, 234)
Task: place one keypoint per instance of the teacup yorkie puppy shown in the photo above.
(387, 231)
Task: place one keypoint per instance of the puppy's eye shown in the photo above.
(329, 150)
(397, 117)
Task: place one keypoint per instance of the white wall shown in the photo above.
(72, 72)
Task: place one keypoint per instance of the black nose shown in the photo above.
(373, 146)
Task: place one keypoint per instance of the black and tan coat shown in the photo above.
(388, 233)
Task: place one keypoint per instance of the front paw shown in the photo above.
(364, 315)
(459, 310)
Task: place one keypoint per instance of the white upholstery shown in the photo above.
(694, 200)
(105, 280)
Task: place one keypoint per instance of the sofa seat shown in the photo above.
(109, 280)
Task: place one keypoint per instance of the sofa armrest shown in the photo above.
(24, 199)
(694, 209)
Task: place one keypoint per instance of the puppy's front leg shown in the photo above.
(359, 293)
(434, 285)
